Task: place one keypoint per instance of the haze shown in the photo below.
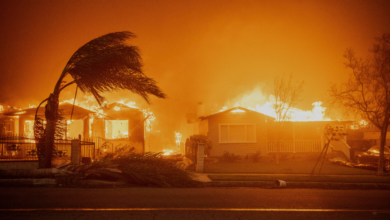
(197, 51)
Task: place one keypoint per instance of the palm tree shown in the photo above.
(104, 64)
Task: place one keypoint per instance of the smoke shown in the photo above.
(221, 53)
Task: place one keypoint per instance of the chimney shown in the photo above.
(200, 111)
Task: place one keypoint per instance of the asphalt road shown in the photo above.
(203, 203)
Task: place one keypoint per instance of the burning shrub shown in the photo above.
(230, 157)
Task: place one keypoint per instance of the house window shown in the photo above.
(74, 129)
(29, 128)
(116, 129)
(237, 133)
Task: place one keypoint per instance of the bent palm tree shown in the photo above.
(102, 65)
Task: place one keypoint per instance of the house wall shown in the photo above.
(7, 126)
(203, 127)
(238, 148)
(136, 128)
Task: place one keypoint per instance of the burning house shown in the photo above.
(7, 123)
(76, 123)
(117, 124)
(243, 131)
(121, 125)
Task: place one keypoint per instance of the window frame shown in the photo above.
(237, 142)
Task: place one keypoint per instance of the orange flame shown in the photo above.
(90, 103)
(167, 151)
(253, 101)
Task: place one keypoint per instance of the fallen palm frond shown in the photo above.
(148, 169)
(152, 169)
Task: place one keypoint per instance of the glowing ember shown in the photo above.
(167, 151)
(1, 108)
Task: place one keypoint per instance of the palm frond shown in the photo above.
(107, 64)
(148, 169)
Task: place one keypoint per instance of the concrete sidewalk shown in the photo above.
(298, 177)
(240, 180)
(294, 180)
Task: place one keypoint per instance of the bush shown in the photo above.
(230, 157)
(196, 139)
(255, 156)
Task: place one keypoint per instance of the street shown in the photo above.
(199, 203)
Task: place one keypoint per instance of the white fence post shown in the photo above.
(200, 158)
(76, 152)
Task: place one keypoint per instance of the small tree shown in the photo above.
(367, 92)
(287, 96)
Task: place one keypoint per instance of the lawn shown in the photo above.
(284, 167)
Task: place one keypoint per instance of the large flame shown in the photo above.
(90, 103)
(257, 101)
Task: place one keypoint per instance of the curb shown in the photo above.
(295, 185)
(53, 183)
(27, 182)
(260, 184)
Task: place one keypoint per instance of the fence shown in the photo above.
(191, 150)
(295, 146)
(17, 148)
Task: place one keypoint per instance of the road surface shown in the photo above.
(199, 203)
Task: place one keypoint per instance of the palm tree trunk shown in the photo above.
(51, 113)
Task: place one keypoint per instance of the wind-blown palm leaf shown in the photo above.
(102, 65)
(107, 64)
(148, 169)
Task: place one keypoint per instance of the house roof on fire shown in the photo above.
(66, 110)
(118, 111)
(236, 109)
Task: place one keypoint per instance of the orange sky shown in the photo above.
(196, 50)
